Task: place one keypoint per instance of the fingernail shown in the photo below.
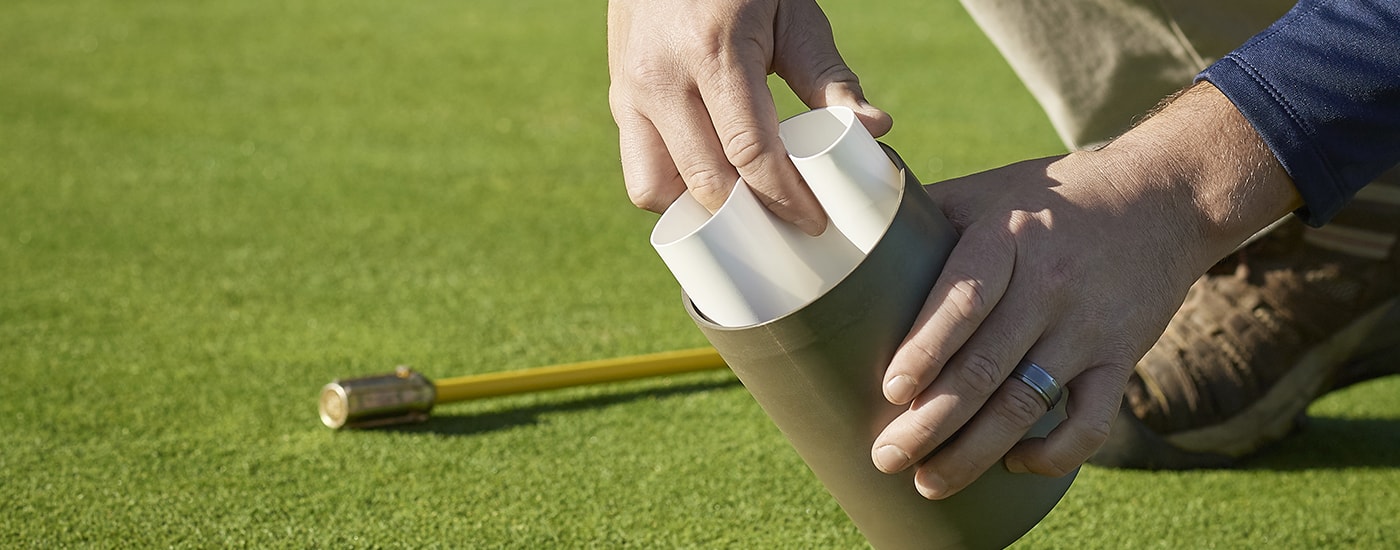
(890, 459)
(1015, 466)
(931, 485)
(810, 226)
(900, 389)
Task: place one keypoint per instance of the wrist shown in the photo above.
(1208, 167)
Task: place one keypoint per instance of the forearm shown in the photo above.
(1200, 157)
(1322, 86)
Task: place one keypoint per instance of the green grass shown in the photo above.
(209, 209)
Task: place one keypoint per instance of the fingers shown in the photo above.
(971, 398)
(652, 180)
(690, 82)
(973, 280)
(746, 123)
(807, 59)
(1003, 420)
(1097, 394)
(684, 126)
(963, 446)
(963, 200)
(1084, 311)
(975, 328)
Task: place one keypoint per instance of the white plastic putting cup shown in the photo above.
(743, 265)
(848, 172)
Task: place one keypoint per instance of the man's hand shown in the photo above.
(690, 97)
(1075, 263)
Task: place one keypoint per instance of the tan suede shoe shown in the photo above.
(1261, 336)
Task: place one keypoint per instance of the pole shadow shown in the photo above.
(486, 422)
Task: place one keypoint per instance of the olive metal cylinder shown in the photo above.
(817, 373)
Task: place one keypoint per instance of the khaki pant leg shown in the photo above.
(1095, 66)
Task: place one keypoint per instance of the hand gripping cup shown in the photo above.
(816, 364)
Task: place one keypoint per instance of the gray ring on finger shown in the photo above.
(1040, 381)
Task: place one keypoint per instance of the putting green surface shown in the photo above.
(209, 209)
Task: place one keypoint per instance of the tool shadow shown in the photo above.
(486, 422)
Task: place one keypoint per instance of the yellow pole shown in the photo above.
(576, 374)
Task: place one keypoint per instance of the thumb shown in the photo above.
(805, 56)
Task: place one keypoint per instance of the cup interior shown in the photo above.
(686, 216)
(815, 132)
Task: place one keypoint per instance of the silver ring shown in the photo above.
(1040, 381)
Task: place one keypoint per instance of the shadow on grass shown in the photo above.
(472, 424)
(1334, 443)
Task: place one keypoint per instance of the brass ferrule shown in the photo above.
(400, 397)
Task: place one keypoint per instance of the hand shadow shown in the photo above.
(485, 422)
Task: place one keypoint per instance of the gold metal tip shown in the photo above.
(400, 397)
(334, 408)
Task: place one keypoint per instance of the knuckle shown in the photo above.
(618, 100)
(626, 110)
(925, 431)
(925, 356)
(1060, 280)
(777, 202)
(1062, 464)
(921, 437)
(644, 71)
(1019, 222)
(1061, 272)
(745, 149)
(968, 298)
(1121, 355)
(650, 75)
(960, 471)
(1007, 241)
(647, 198)
(702, 50)
(977, 374)
(707, 61)
(703, 42)
(960, 213)
(835, 72)
(1057, 466)
(1095, 434)
(706, 184)
(1020, 407)
(1086, 439)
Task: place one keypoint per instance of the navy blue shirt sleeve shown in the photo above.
(1321, 86)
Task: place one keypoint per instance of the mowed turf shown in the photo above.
(209, 209)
